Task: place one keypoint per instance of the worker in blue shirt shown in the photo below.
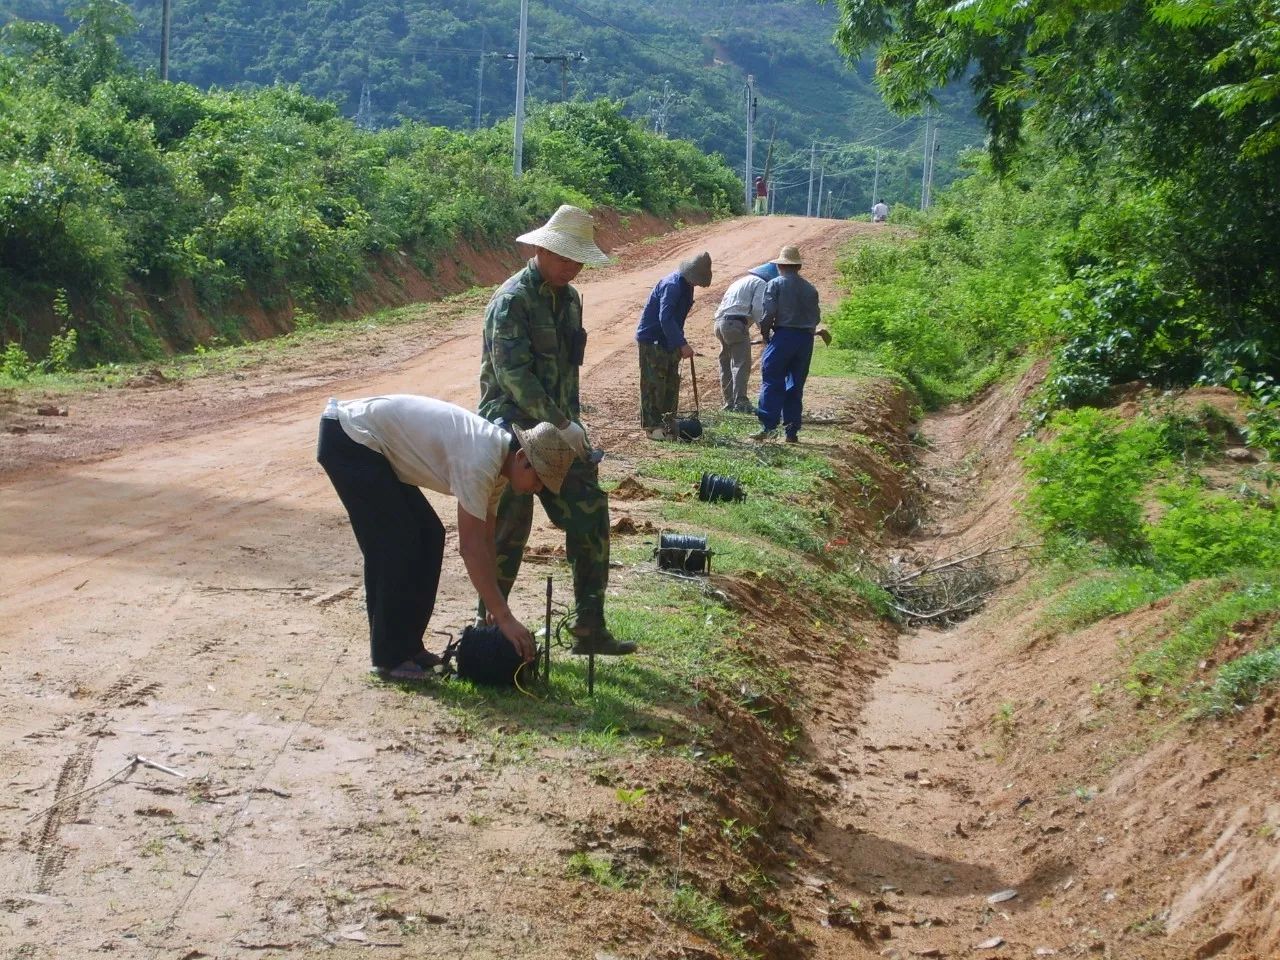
(791, 318)
(660, 337)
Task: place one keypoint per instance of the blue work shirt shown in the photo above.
(663, 319)
(791, 302)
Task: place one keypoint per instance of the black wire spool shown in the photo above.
(688, 428)
(486, 657)
(716, 488)
(683, 553)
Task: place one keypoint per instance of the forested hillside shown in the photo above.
(676, 66)
(127, 204)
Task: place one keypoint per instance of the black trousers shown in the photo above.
(400, 536)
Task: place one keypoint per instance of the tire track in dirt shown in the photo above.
(50, 855)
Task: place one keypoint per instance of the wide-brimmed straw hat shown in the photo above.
(789, 257)
(547, 451)
(571, 232)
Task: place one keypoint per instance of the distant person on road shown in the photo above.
(791, 318)
(879, 212)
(661, 342)
(534, 345)
(761, 205)
(377, 452)
(741, 306)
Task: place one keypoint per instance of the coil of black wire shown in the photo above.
(716, 488)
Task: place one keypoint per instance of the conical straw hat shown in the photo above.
(570, 232)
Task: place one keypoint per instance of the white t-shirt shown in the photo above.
(433, 444)
(744, 298)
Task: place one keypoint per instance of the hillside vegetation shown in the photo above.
(1083, 234)
(111, 181)
(678, 66)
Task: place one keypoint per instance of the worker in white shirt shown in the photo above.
(741, 306)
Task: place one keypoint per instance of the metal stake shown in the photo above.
(546, 639)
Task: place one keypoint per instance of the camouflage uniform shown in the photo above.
(659, 384)
(533, 344)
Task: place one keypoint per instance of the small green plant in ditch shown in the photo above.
(597, 869)
(1003, 720)
(737, 833)
(631, 798)
(703, 915)
(1240, 682)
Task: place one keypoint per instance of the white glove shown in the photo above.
(576, 438)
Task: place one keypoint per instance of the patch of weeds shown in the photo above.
(771, 470)
(1003, 721)
(596, 868)
(1240, 681)
(1221, 604)
(1152, 925)
(738, 834)
(682, 633)
(784, 524)
(703, 915)
(1103, 593)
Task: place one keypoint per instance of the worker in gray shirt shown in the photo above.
(791, 318)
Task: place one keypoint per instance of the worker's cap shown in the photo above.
(548, 452)
(571, 232)
(697, 270)
(766, 271)
(789, 257)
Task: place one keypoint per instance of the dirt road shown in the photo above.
(195, 599)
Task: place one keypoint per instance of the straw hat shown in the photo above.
(570, 232)
(547, 451)
(790, 256)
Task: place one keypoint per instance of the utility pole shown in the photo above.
(822, 176)
(875, 184)
(751, 123)
(484, 42)
(520, 72)
(933, 157)
(830, 204)
(924, 171)
(166, 18)
(813, 153)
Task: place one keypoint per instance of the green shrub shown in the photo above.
(14, 362)
(1201, 534)
(62, 348)
(1085, 480)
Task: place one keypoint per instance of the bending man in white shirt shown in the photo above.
(377, 452)
(741, 306)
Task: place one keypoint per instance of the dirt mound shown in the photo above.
(629, 488)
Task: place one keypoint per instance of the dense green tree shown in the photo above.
(1171, 110)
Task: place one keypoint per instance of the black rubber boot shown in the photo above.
(595, 638)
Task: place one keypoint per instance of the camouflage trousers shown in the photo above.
(581, 510)
(659, 384)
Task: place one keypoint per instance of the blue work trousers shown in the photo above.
(784, 368)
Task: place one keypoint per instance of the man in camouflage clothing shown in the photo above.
(534, 344)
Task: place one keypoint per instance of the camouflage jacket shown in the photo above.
(533, 341)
